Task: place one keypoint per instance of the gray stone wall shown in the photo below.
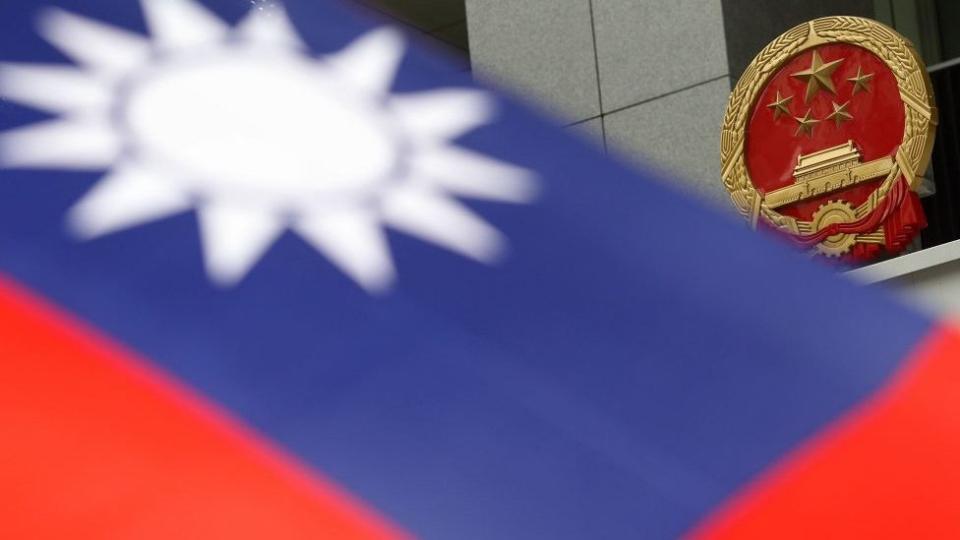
(647, 79)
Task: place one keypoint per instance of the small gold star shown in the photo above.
(861, 81)
(840, 113)
(805, 124)
(818, 76)
(779, 105)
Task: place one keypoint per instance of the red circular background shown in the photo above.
(772, 146)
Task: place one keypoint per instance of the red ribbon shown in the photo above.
(866, 224)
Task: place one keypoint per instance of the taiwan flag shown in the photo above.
(266, 271)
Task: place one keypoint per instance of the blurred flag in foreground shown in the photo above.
(268, 273)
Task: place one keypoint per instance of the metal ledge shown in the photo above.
(907, 264)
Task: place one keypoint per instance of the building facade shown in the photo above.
(648, 81)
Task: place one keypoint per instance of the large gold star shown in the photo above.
(805, 124)
(840, 113)
(861, 81)
(779, 105)
(818, 76)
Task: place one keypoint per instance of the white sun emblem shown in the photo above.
(242, 125)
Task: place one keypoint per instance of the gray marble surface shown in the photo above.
(647, 48)
(680, 134)
(541, 48)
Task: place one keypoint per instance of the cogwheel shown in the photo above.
(828, 214)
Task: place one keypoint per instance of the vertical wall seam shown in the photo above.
(596, 66)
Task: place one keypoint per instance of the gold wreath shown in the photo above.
(897, 53)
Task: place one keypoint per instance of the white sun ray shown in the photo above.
(272, 27)
(72, 143)
(479, 176)
(105, 49)
(435, 217)
(54, 89)
(355, 243)
(245, 127)
(182, 24)
(234, 237)
(370, 63)
(443, 114)
(127, 197)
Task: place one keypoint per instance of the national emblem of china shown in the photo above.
(826, 136)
